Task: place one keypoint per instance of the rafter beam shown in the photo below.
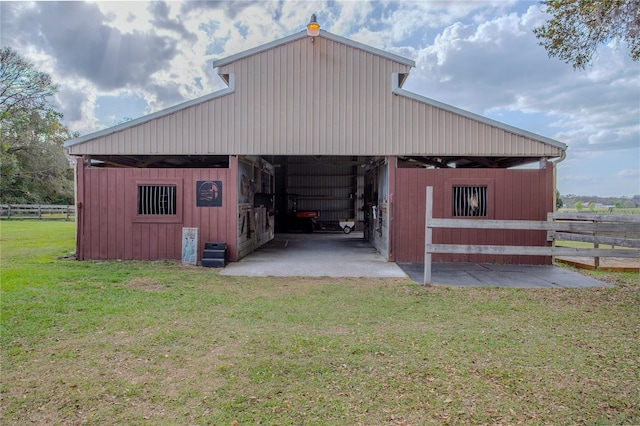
(436, 162)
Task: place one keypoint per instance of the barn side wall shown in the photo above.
(513, 195)
(109, 227)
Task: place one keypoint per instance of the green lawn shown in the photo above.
(158, 343)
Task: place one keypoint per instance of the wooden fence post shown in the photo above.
(551, 236)
(428, 236)
(596, 260)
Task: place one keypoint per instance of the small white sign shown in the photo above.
(189, 246)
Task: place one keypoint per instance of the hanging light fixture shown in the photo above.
(313, 28)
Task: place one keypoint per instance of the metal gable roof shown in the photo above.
(229, 122)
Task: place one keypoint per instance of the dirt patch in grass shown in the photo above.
(146, 284)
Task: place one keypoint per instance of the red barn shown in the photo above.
(326, 119)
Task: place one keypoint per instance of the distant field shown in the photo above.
(622, 211)
(158, 343)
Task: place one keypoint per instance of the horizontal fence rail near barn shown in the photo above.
(613, 230)
(37, 211)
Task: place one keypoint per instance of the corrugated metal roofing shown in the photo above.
(330, 96)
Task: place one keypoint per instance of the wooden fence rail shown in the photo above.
(614, 230)
(37, 211)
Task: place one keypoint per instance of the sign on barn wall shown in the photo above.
(209, 193)
(189, 246)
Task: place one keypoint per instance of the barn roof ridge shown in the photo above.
(302, 34)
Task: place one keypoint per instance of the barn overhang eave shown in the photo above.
(468, 162)
(411, 161)
(145, 161)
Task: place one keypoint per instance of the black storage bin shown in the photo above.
(214, 255)
(213, 263)
(215, 246)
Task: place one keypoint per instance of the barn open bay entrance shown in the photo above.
(342, 194)
(307, 197)
(317, 193)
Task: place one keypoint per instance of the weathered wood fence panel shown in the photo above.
(37, 211)
(613, 230)
(625, 235)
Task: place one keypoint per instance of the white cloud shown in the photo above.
(78, 102)
(630, 174)
(128, 17)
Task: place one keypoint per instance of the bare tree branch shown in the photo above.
(21, 86)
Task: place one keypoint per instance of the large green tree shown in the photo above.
(33, 165)
(577, 27)
(559, 202)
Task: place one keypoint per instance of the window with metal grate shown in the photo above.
(157, 200)
(469, 201)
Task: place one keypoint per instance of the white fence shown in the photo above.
(37, 211)
(613, 230)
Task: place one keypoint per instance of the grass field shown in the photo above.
(158, 343)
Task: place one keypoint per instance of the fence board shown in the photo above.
(596, 239)
(532, 250)
(596, 217)
(532, 225)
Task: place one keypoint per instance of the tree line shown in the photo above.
(583, 201)
(34, 168)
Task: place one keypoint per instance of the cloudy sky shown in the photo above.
(121, 59)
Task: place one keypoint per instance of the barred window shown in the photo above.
(469, 201)
(157, 200)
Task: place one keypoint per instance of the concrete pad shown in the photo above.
(500, 275)
(342, 255)
(316, 255)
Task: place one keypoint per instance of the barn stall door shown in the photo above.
(255, 224)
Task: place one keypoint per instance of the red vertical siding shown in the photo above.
(111, 219)
(80, 207)
(514, 194)
(107, 228)
(93, 220)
